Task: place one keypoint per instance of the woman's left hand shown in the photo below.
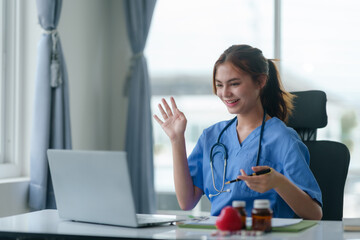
(261, 183)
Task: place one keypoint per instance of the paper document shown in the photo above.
(282, 222)
(276, 222)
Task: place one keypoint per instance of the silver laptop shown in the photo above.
(94, 186)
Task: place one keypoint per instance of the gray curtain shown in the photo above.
(139, 140)
(51, 116)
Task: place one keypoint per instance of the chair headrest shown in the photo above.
(309, 110)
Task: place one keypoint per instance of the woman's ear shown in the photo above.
(262, 79)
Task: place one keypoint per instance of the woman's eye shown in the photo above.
(235, 84)
(218, 85)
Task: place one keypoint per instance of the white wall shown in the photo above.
(13, 197)
(97, 54)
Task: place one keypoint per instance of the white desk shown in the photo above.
(47, 225)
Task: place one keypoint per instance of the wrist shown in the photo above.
(281, 182)
(177, 139)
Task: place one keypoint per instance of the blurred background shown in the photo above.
(317, 45)
(316, 42)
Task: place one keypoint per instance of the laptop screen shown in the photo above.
(92, 186)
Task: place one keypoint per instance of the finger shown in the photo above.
(173, 104)
(243, 173)
(158, 119)
(253, 182)
(179, 114)
(253, 186)
(259, 168)
(249, 179)
(163, 113)
(167, 108)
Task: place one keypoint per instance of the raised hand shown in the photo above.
(174, 123)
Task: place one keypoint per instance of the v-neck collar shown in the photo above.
(254, 133)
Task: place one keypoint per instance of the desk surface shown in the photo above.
(47, 223)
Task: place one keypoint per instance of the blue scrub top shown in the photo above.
(281, 149)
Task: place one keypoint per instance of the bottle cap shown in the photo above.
(262, 203)
(238, 203)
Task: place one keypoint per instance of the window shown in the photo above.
(185, 40)
(321, 51)
(318, 47)
(9, 46)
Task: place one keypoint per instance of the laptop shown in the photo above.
(95, 187)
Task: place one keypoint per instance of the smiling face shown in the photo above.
(236, 88)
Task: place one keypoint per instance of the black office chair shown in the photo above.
(329, 161)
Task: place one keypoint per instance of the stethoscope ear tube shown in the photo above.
(224, 151)
(213, 178)
(260, 139)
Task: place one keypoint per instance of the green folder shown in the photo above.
(304, 224)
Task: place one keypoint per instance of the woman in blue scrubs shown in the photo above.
(256, 139)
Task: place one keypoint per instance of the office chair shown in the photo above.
(329, 160)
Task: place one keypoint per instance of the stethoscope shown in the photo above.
(221, 148)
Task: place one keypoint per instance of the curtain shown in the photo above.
(139, 139)
(51, 115)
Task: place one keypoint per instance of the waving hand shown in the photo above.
(174, 123)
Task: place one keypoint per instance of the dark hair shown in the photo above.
(275, 100)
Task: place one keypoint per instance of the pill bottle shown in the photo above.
(261, 215)
(240, 207)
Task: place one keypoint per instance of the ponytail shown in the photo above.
(275, 100)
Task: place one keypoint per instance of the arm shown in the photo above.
(174, 126)
(299, 201)
(187, 193)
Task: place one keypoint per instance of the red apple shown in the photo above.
(229, 219)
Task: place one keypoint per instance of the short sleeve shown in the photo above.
(297, 170)
(195, 162)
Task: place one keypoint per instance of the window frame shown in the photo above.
(10, 98)
(158, 86)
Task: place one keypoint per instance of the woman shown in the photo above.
(256, 139)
